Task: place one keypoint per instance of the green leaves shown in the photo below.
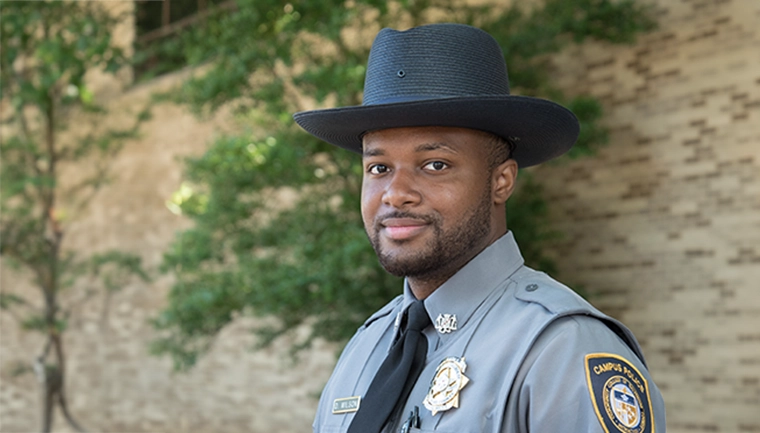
(589, 113)
(605, 20)
(527, 218)
(7, 300)
(277, 231)
(115, 269)
(49, 46)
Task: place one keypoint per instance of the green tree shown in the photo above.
(47, 47)
(305, 259)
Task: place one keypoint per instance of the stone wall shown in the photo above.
(662, 228)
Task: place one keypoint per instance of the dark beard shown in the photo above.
(445, 250)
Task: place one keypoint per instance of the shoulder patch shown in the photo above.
(620, 394)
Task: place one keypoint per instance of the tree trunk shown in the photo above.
(53, 385)
(48, 405)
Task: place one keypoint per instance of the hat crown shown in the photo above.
(445, 75)
(419, 64)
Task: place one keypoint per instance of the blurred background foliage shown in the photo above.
(46, 50)
(277, 231)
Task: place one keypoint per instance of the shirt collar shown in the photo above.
(461, 294)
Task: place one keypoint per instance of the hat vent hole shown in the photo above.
(401, 74)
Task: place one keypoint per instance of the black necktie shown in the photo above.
(396, 376)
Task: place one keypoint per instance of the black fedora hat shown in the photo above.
(445, 75)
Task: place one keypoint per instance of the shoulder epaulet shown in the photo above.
(560, 300)
(542, 289)
(384, 311)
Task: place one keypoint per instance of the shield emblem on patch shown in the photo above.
(625, 406)
(620, 394)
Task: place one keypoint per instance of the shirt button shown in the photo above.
(531, 287)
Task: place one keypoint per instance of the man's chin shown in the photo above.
(406, 265)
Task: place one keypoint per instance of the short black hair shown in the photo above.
(500, 149)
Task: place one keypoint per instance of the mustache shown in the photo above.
(430, 219)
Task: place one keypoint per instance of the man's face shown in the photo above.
(427, 199)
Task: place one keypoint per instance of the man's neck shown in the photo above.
(424, 285)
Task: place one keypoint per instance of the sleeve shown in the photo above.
(579, 377)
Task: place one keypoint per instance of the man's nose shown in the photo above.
(402, 190)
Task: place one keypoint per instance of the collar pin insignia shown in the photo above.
(445, 323)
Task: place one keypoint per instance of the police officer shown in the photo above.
(478, 342)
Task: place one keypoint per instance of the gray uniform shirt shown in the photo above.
(536, 358)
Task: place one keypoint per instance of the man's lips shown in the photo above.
(402, 228)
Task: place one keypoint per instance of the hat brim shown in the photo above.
(542, 129)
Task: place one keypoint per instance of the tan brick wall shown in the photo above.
(663, 226)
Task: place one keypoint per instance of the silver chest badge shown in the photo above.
(444, 390)
(446, 323)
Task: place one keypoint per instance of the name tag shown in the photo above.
(346, 405)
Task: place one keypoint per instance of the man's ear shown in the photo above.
(504, 179)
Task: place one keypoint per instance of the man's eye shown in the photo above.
(436, 165)
(377, 169)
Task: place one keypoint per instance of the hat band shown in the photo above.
(421, 98)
